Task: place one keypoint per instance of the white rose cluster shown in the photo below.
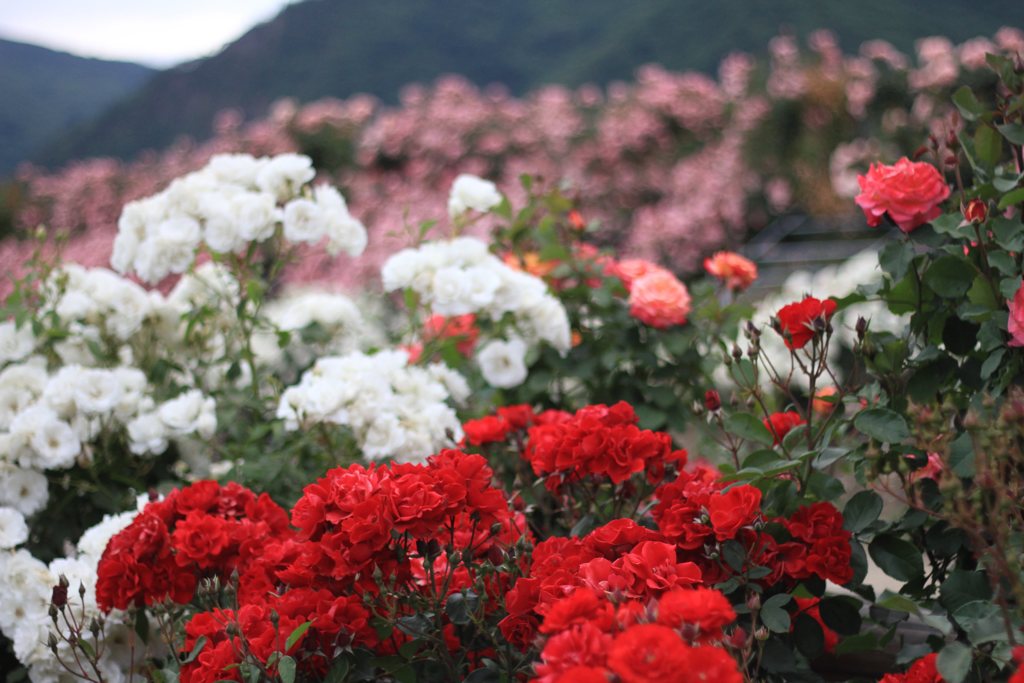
(334, 323)
(236, 199)
(393, 409)
(459, 276)
(471, 192)
(26, 586)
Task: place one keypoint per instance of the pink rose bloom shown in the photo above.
(631, 269)
(659, 299)
(734, 270)
(910, 192)
(1016, 324)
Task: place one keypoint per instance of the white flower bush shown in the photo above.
(392, 408)
(26, 588)
(234, 201)
(460, 276)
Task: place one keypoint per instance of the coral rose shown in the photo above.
(797, 320)
(647, 653)
(910, 192)
(659, 299)
(732, 269)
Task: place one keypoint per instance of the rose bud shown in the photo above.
(712, 401)
(976, 211)
(59, 598)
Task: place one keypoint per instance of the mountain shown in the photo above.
(45, 93)
(337, 48)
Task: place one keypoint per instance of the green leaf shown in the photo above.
(808, 636)
(748, 427)
(861, 511)
(734, 554)
(1009, 198)
(988, 146)
(339, 671)
(1008, 233)
(829, 456)
(773, 616)
(963, 587)
(961, 456)
(882, 425)
(295, 635)
(841, 614)
(286, 669)
(895, 258)
(196, 649)
(897, 602)
(954, 662)
(897, 558)
(991, 363)
(1014, 132)
(950, 276)
(969, 106)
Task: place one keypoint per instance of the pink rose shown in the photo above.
(659, 299)
(734, 270)
(1016, 324)
(910, 192)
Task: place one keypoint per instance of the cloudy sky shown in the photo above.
(154, 32)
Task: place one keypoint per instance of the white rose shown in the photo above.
(304, 221)
(13, 530)
(15, 343)
(283, 175)
(147, 434)
(25, 490)
(471, 192)
(503, 363)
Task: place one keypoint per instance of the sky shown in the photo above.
(157, 33)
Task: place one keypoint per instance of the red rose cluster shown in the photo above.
(800, 322)
(349, 529)
(598, 441)
(696, 512)
(201, 531)
(678, 638)
(506, 422)
(922, 670)
(620, 558)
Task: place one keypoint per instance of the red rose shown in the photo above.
(490, 429)
(713, 664)
(779, 424)
(648, 653)
(736, 508)
(797, 321)
(910, 192)
(704, 610)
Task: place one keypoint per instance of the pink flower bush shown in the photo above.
(1016, 324)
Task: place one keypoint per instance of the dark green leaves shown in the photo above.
(773, 616)
(882, 425)
(861, 511)
(897, 558)
(748, 427)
